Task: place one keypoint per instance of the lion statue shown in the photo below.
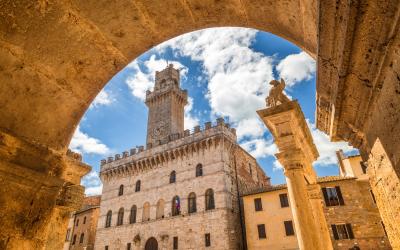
(276, 95)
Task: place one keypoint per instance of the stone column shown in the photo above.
(297, 152)
(39, 188)
(302, 210)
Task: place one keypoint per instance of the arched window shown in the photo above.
(199, 170)
(84, 220)
(137, 188)
(120, 219)
(77, 222)
(108, 218)
(210, 204)
(172, 177)
(81, 238)
(176, 206)
(146, 212)
(132, 218)
(160, 209)
(121, 190)
(74, 239)
(192, 203)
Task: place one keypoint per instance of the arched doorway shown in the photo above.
(151, 244)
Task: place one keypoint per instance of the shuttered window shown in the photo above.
(333, 196)
(261, 231)
(289, 228)
(342, 231)
(258, 204)
(284, 200)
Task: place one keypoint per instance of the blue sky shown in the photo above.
(226, 72)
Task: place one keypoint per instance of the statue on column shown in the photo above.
(276, 95)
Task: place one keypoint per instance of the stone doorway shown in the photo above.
(151, 244)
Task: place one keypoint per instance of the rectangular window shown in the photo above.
(261, 231)
(289, 228)
(207, 239)
(106, 248)
(284, 200)
(258, 204)
(333, 196)
(342, 231)
(175, 243)
(128, 246)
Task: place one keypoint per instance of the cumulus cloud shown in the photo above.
(296, 68)
(92, 183)
(103, 98)
(326, 148)
(237, 75)
(142, 78)
(83, 143)
(190, 120)
(260, 148)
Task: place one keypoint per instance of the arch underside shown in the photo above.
(56, 56)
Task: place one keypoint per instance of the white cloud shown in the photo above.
(326, 148)
(103, 98)
(252, 128)
(296, 68)
(190, 121)
(143, 79)
(260, 148)
(92, 183)
(83, 143)
(237, 75)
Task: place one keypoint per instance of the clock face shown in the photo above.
(159, 130)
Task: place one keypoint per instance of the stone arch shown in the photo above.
(146, 211)
(160, 209)
(151, 244)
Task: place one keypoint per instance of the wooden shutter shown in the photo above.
(339, 194)
(349, 231)
(335, 233)
(325, 196)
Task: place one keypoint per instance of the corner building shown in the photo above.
(182, 190)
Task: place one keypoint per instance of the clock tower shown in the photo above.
(166, 106)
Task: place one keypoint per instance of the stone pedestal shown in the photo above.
(39, 188)
(297, 152)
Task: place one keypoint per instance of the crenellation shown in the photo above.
(207, 125)
(197, 129)
(110, 159)
(117, 157)
(132, 151)
(125, 154)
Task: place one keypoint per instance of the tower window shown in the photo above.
(175, 243)
(84, 220)
(132, 218)
(258, 204)
(128, 246)
(210, 204)
(207, 238)
(108, 218)
(172, 177)
(333, 196)
(77, 222)
(261, 231)
(121, 190)
(74, 239)
(81, 238)
(192, 203)
(284, 200)
(120, 219)
(176, 206)
(199, 170)
(137, 187)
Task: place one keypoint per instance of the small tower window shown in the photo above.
(132, 218)
(172, 177)
(81, 238)
(120, 219)
(199, 170)
(137, 187)
(108, 218)
(176, 206)
(192, 203)
(210, 204)
(121, 190)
